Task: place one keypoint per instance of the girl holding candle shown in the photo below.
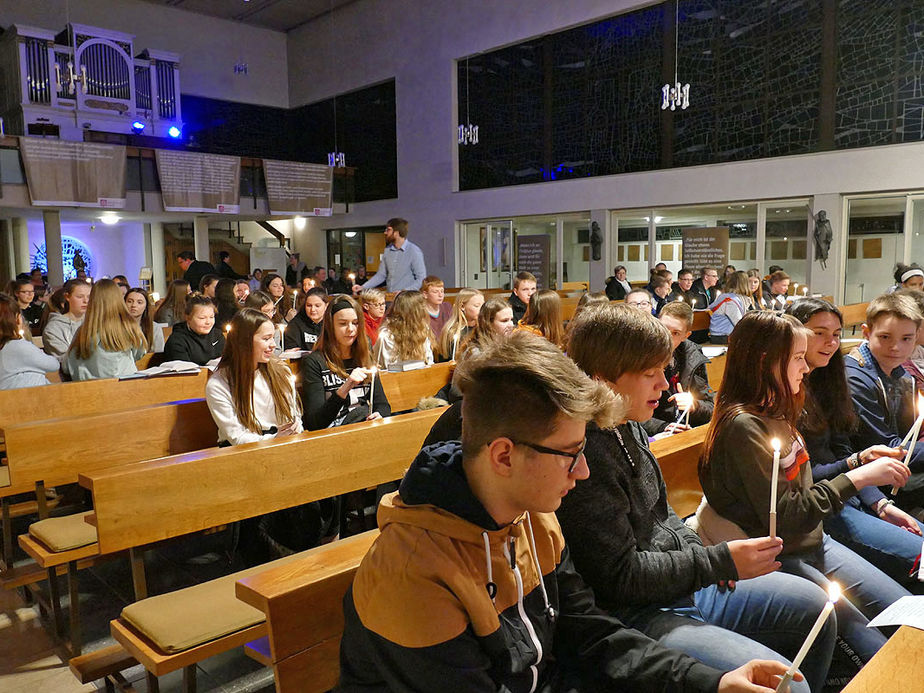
(303, 330)
(139, 307)
(22, 364)
(337, 375)
(465, 312)
(275, 286)
(762, 398)
(543, 317)
(870, 524)
(405, 334)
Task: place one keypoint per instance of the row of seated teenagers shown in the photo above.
(739, 596)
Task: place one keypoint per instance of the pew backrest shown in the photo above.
(143, 503)
(678, 456)
(404, 390)
(854, 314)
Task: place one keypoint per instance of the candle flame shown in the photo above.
(227, 328)
(834, 592)
(22, 334)
(155, 297)
(775, 444)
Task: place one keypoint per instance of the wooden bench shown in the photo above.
(715, 370)
(149, 502)
(896, 667)
(83, 444)
(404, 390)
(854, 315)
(302, 600)
(701, 320)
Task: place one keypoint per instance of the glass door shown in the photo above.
(487, 254)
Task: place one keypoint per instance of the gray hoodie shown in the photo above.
(103, 364)
(22, 364)
(58, 334)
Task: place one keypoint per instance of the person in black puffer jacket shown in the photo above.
(198, 339)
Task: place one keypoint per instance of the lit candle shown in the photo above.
(795, 287)
(455, 345)
(22, 334)
(774, 480)
(352, 277)
(227, 329)
(834, 593)
(372, 372)
(155, 297)
(805, 291)
(912, 438)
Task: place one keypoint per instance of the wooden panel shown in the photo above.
(56, 451)
(404, 390)
(798, 250)
(897, 665)
(715, 370)
(312, 671)
(138, 504)
(779, 250)
(701, 319)
(375, 246)
(678, 457)
(852, 249)
(634, 253)
(872, 248)
(89, 397)
(568, 306)
(854, 313)
(621, 253)
(737, 251)
(667, 252)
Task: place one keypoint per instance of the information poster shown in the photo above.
(294, 187)
(74, 174)
(192, 182)
(533, 256)
(705, 248)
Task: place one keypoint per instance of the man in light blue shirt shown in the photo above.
(402, 266)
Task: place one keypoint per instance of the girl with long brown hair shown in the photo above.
(22, 364)
(109, 341)
(405, 334)
(252, 393)
(61, 327)
(173, 308)
(543, 316)
(756, 291)
(275, 286)
(495, 321)
(139, 306)
(461, 322)
(759, 405)
(338, 377)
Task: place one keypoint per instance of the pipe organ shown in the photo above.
(86, 78)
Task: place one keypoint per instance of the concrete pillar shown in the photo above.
(7, 260)
(828, 281)
(158, 261)
(20, 244)
(599, 270)
(201, 238)
(54, 253)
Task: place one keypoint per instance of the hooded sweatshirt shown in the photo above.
(302, 332)
(448, 600)
(185, 345)
(58, 334)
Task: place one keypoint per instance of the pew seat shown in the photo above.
(4, 475)
(64, 533)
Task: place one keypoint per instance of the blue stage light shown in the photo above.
(138, 127)
(174, 132)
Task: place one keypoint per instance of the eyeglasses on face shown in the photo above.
(575, 457)
(639, 304)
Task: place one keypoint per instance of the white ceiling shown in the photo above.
(280, 15)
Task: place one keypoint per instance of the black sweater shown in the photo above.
(321, 404)
(185, 345)
(625, 539)
(302, 332)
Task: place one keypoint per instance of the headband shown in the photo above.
(912, 273)
(338, 305)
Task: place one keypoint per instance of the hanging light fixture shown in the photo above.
(335, 158)
(468, 133)
(676, 95)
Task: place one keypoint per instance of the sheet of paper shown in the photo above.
(711, 352)
(907, 611)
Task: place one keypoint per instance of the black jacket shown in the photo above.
(704, 297)
(626, 540)
(303, 332)
(614, 290)
(185, 345)
(321, 404)
(196, 271)
(519, 308)
(688, 368)
(226, 271)
(447, 600)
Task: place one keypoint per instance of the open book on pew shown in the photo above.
(402, 366)
(167, 368)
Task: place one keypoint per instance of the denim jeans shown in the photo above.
(892, 549)
(866, 591)
(763, 618)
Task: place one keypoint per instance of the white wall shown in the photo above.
(416, 43)
(208, 47)
(116, 249)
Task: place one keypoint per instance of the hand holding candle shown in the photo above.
(774, 481)
(372, 372)
(912, 438)
(834, 593)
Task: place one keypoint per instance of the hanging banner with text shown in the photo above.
(74, 174)
(705, 248)
(533, 257)
(293, 187)
(192, 182)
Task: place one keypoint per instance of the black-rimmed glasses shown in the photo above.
(575, 456)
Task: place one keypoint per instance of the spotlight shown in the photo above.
(109, 218)
(138, 127)
(299, 223)
(174, 132)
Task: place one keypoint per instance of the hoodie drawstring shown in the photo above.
(549, 611)
(491, 586)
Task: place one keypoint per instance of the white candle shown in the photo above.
(834, 593)
(155, 297)
(455, 345)
(687, 417)
(227, 329)
(805, 291)
(352, 277)
(912, 438)
(774, 480)
(372, 388)
(22, 334)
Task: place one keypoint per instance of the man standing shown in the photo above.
(296, 271)
(193, 269)
(224, 269)
(402, 266)
(470, 586)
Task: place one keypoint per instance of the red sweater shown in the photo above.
(372, 327)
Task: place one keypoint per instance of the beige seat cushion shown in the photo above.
(64, 533)
(183, 619)
(4, 475)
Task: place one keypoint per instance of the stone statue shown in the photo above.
(596, 240)
(823, 236)
(79, 263)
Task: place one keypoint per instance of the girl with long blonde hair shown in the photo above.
(109, 340)
(461, 323)
(405, 334)
(543, 317)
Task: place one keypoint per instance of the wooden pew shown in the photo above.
(302, 600)
(715, 370)
(66, 400)
(160, 499)
(898, 666)
(854, 315)
(701, 319)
